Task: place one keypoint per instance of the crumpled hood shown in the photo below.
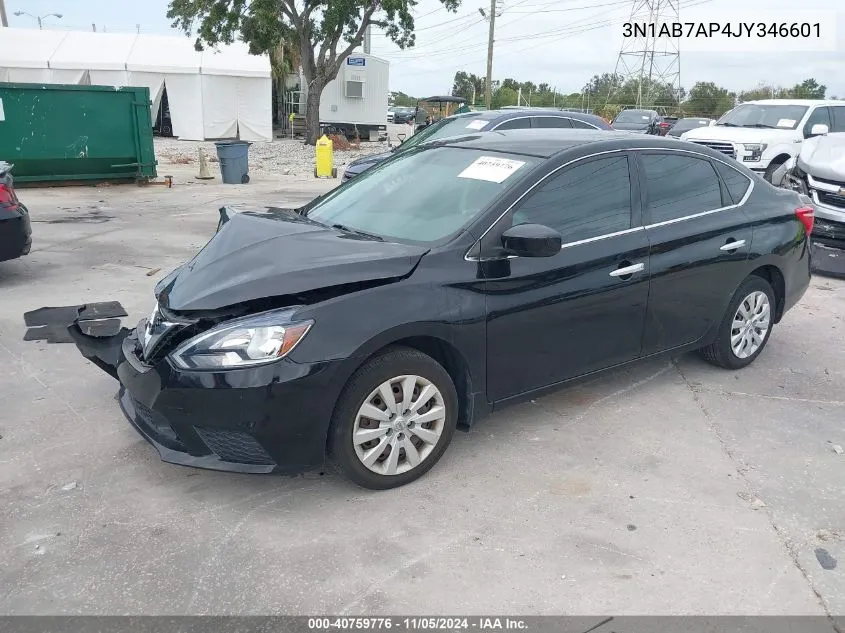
(770, 136)
(362, 164)
(824, 157)
(277, 252)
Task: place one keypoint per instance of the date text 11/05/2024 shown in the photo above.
(728, 29)
(481, 624)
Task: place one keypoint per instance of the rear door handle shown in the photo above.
(628, 270)
(732, 246)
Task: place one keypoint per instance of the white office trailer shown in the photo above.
(355, 102)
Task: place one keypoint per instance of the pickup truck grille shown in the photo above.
(720, 146)
(831, 199)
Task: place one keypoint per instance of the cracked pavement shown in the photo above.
(669, 487)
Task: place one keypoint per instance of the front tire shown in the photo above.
(746, 326)
(394, 419)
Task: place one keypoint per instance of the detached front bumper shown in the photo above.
(272, 419)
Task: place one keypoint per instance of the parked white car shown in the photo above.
(390, 115)
(764, 135)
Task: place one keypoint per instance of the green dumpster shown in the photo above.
(55, 133)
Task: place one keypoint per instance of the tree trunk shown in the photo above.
(312, 111)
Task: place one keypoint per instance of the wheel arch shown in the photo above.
(431, 340)
(773, 275)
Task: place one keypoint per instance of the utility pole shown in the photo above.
(488, 91)
(3, 20)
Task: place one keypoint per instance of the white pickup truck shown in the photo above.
(764, 135)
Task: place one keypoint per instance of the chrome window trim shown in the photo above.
(748, 191)
(538, 116)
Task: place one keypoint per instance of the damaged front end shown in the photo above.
(819, 173)
(207, 377)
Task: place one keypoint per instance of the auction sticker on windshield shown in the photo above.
(786, 123)
(491, 169)
(477, 124)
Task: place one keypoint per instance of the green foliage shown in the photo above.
(807, 89)
(468, 85)
(708, 99)
(504, 96)
(402, 100)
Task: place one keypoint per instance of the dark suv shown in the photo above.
(487, 121)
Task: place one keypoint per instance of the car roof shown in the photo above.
(548, 142)
(803, 102)
(509, 114)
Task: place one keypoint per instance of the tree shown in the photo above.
(807, 89)
(317, 26)
(504, 96)
(762, 91)
(468, 86)
(708, 99)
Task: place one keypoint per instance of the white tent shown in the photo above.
(214, 94)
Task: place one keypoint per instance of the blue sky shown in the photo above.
(560, 42)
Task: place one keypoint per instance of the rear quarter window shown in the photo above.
(736, 182)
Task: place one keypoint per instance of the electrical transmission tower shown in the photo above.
(647, 58)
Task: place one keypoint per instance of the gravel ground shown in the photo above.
(276, 157)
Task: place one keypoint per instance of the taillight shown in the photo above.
(806, 215)
(6, 195)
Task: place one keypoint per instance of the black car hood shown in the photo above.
(357, 166)
(276, 252)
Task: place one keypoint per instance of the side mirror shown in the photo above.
(819, 129)
(531, 240)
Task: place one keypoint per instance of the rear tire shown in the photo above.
(746, 326)
(406, 437)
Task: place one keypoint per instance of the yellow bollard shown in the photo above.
(325, 159)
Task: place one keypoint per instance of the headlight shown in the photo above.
(756, 150)
(245, 342)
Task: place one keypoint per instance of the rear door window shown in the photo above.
(581, 125)
(678, 185)
(838, 118)
(552, 121)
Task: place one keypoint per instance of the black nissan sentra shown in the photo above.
(459, 277)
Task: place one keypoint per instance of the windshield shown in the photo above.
(785, 117)
(633, 116)
(396, 200)
(442, 129)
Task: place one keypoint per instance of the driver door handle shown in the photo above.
(732, 245)
(628, 270)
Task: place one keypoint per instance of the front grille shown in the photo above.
(157, 423)
(826, 181)
(234, 446)
(725, 148)
(831, 199)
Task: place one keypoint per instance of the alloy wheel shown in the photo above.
(399, 425)
(750, 324)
